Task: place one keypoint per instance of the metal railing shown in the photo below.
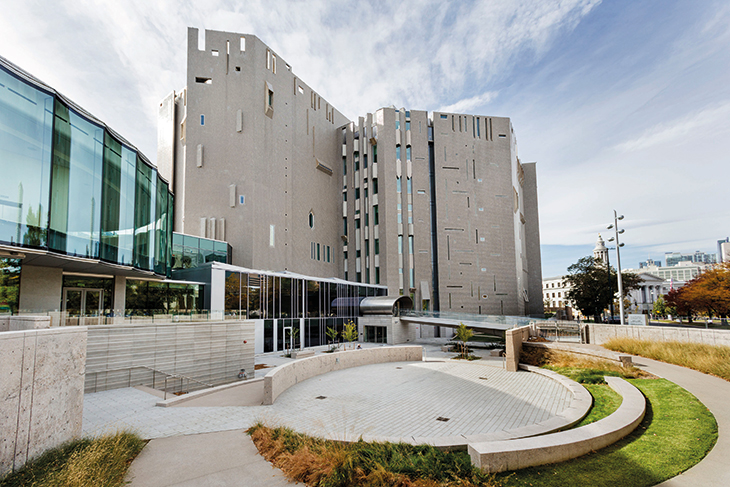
(511, 321)
(566, 331)
(148, 379)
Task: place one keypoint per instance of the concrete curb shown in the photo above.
(498, 456)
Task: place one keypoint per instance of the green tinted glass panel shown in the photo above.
(144, 212)
(26, 123)
(161, 224)
(117, 212)
(76, 181)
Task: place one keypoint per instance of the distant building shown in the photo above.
(555, 301)
(650, 263)
(721, 255)
(725, 252)
(674, 258)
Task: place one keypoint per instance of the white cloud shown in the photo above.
(469, 104)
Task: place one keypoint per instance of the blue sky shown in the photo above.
(623, 105)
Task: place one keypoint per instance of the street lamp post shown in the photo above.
(616, 218)
(610, 281)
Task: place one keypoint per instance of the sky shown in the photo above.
(623, 105)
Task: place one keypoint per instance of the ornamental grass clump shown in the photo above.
(325, 463)
(709, 359)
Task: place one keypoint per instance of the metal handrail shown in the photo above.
(154, 371)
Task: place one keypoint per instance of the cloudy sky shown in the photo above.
(624, 105)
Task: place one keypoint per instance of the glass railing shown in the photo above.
(511, 321)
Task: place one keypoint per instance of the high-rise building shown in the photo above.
(438, 208)
(674, 258)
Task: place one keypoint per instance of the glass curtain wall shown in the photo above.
(26, 130)
(156, 297)
(76, 180)
(68, 185)
(281, 300)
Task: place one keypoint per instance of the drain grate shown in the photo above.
(321, 397)
(484, 378)
(441, 418)
(399, 367)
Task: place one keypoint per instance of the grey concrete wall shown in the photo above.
(477, 247)
(210, 352)
(285, 376)
(533, 272)
(40, 288)
(282, 161)
(398, 332)
(599, 333)
(513, 346)
(23, 322)
(41, 392)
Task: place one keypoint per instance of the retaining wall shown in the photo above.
(287, 375)
(498, 456)
(600, 333)
(513, 346)
(23, 322)
(210, 352)
(41, 392)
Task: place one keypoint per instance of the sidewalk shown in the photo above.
(714, 469)
(207, 459)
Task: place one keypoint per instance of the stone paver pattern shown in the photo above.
(393, 400)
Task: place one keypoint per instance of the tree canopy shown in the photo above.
(708, 293)
(593, 287)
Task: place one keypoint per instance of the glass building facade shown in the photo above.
(284, 303)
(189, 251)
(72, 186)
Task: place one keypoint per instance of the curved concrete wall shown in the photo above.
(498, 456)
(287, 375)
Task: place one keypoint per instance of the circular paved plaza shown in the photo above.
(418, 400)
(403, 401)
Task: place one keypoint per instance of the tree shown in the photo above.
(660, 307)
(350, 332)
(709, 292)
(463, 334)
(593, 287)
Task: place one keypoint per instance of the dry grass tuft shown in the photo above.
(709, 359)
(329, 463)
(582, 368)
(100, 461)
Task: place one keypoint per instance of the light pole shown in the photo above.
(616, 218)
(610, 281)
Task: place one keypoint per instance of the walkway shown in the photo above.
(713, 392)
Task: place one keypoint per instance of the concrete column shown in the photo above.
(40, 288)
(119, 302)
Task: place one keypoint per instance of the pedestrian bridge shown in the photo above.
(483, 323)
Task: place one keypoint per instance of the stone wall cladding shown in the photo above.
(285, 376)
(599, 334)
(41, 392)
(210, 352)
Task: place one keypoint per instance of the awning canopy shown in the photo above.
(385, 305)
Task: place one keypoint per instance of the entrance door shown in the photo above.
(83, 306)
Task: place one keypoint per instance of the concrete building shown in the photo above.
(251, 154)
(439, 208)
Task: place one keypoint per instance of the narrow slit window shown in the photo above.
(243, 44)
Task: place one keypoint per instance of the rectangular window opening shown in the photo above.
(243, 45)
(207, 81)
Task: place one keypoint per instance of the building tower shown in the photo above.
(600, 252)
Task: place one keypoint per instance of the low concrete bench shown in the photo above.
(302, 354)
(498, 456)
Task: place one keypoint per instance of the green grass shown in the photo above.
(709, 359)
(676, 433)
(101, 461)
(605, 402)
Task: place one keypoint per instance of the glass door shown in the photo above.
(83, 306)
